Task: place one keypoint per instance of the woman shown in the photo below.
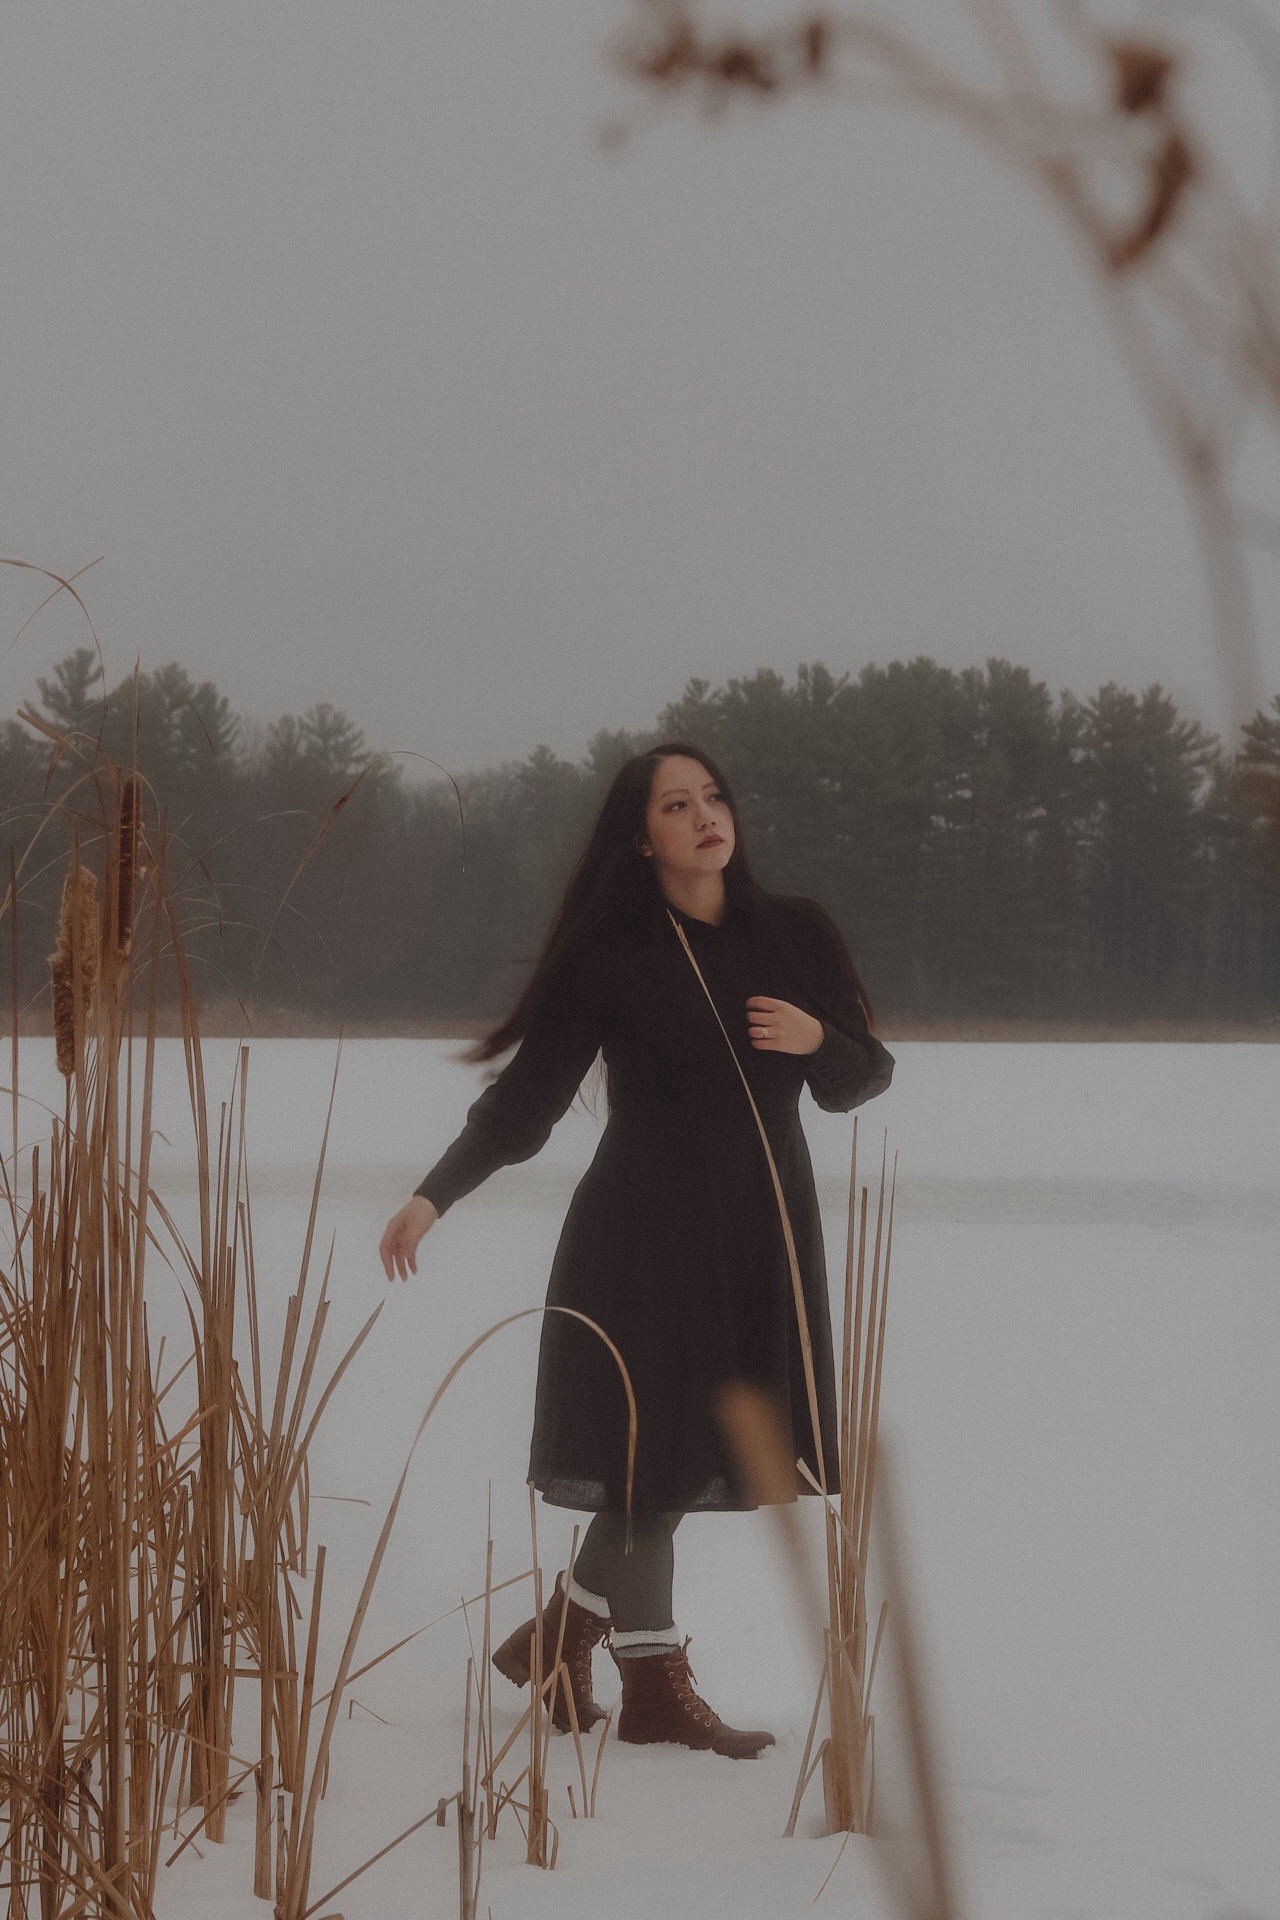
(673, 1242)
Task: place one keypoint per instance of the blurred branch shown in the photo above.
(1187, 271)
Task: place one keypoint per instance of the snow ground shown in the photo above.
(1082, 1356)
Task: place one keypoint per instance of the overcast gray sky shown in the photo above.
(376, 381)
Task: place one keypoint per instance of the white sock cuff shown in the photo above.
(589, 1602)
(645, 1637)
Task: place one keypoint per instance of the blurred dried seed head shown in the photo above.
(1140, 71)
(1172, 171)
(817, 39)
(759, 1443)
(669, 49)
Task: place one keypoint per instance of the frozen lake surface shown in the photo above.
(1082, 1360)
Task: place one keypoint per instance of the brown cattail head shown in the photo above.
(73, 964)
(64, 1012)
(126, 863)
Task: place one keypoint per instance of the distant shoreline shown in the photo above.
(226, 1020)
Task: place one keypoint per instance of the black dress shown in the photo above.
(673, 1242)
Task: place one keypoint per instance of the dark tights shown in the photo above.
(637, 1585)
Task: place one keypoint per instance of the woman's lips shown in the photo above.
(712, 840)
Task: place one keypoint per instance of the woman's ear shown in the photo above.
(642, 846)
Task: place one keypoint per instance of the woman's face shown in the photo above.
(688, 827)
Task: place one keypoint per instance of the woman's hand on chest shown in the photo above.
(775, 1026)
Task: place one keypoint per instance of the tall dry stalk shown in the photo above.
(848, 1755)
(95, 1628)
(538, 1825)
(835, 1608)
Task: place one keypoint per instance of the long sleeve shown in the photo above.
(513, 1117)
(847, 1069)
(851, 1066)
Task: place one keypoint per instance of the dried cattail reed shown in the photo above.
(145, 1559)
(126, 855)
(122, 1533)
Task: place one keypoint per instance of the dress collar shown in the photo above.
(690, 921)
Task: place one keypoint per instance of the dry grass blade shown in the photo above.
(499, 1586)
(539, 1714)
(61, 584)
(372, 1861)
(595, 1771)
(793, 1263)
(562, 1671)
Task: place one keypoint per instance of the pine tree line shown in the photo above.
(989, 849)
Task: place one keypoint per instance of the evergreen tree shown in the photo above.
(69, 698)
(1145, 773)
(989, 849)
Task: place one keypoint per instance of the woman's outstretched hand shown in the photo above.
(775, 1026)
(398, 1248)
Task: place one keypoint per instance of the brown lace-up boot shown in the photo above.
(659, 1703)
(582, 1632)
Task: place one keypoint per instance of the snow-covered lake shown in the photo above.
(1082, 1364)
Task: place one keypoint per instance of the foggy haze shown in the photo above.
(377, 381)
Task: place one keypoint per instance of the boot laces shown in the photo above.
(578, 1661)
(577, 1653)
(683, 1677)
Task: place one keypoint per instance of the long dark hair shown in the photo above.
(612, 880)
